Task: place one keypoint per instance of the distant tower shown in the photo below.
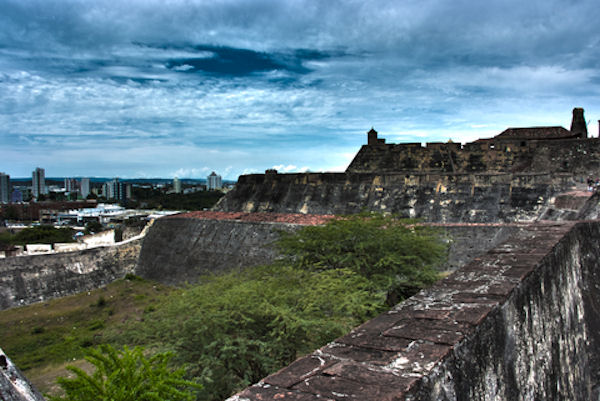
(177, 185)
(213, 181)
(578, 126)
(38, 182)
(4, 188)
(372, 137)
(85, 187)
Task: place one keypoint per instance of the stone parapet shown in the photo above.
(575, 156)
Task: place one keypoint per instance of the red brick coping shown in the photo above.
(290, 218)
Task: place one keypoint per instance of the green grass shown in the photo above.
(39, 336)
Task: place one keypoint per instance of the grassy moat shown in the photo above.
(231, 330)
(43, 338)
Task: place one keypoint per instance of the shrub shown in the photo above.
(126, 375)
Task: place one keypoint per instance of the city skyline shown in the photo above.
(136, 89)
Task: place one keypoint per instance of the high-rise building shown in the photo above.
(128, 192)
(118, 190)
(4, 188)
(38, 183)
(213, 181)
(85, 187)
(176, 185)
(71, 185)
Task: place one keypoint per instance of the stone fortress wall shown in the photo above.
(180, 248)
(516, 150)
(437, 197)
(575, 156)
(511, 177)
(36, 278)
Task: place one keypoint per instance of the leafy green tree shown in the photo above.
(237, 328)
(126, 375)
(43, 234)
(93, 227)
(396, 253)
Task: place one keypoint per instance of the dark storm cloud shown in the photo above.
(224, 60)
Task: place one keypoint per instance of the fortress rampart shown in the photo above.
(515, 150)
(28, 279)
(575, 156)
(438, 197)
(181, 248)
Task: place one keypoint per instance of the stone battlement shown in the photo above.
(577, 156)
(533, 149)
(441, 197)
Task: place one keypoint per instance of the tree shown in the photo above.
(43, 234)
(126, 375)
(394, 252)
(93, 227)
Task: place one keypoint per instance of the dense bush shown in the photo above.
(395, 253)
(154, 198)
(39, 235)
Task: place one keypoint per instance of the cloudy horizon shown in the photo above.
(182, 88)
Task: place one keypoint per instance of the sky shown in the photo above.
(165, 88)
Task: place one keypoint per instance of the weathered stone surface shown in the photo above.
(468, 241)
(289, 218)
(300, 370)
(591, 209)
(13, 385)
(433, 197)
(28, 279)
(180, 250)
(362, 384)
(360, 354)
(265, 392)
